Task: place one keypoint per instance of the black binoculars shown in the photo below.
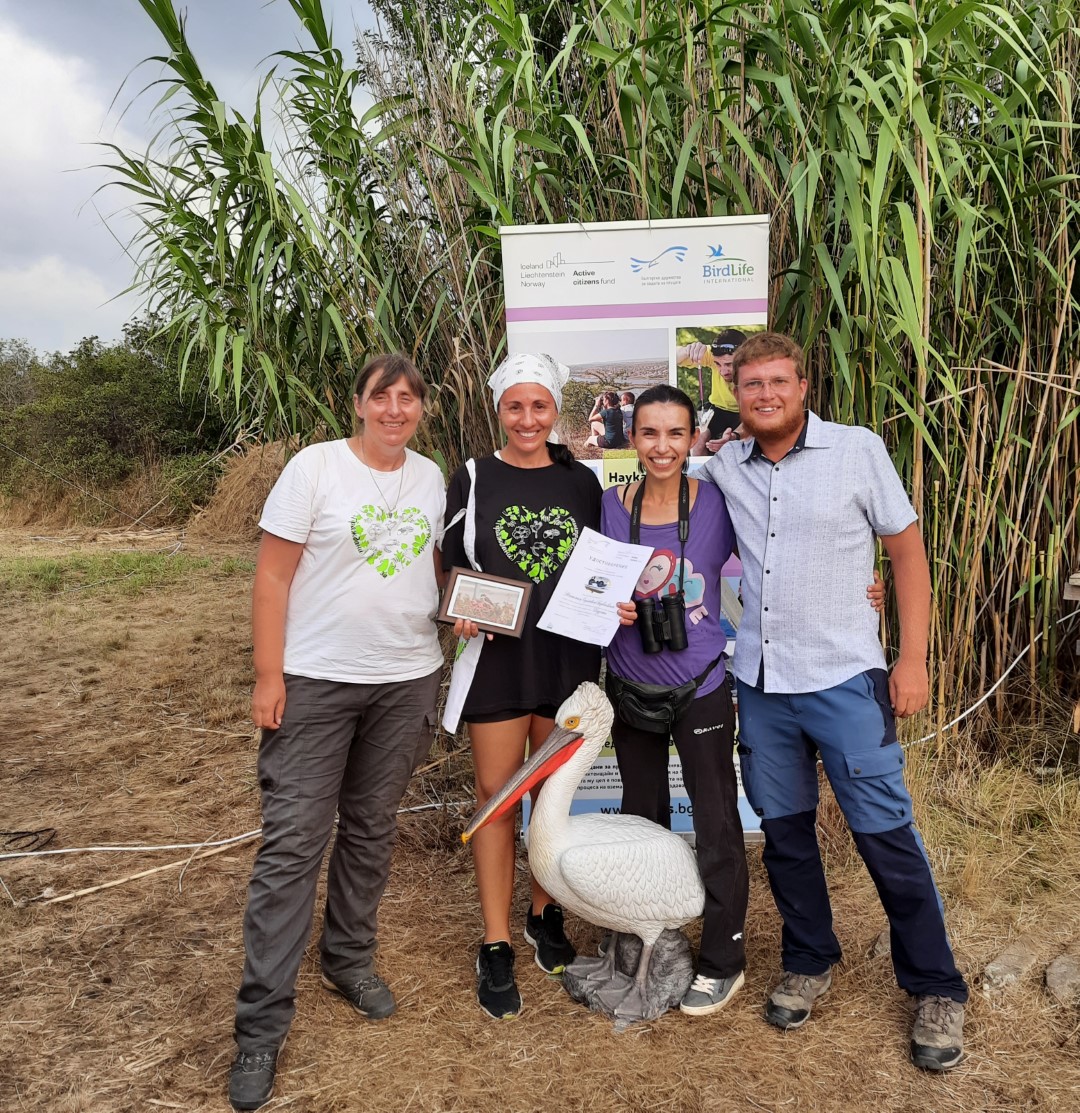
(663, 624)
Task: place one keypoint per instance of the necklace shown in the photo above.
(401, 477)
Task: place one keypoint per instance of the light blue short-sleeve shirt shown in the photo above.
(805, 528)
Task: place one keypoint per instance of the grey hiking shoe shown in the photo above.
(369, 995)
(790, 1003)
(251, 1078)
(709, 995)
(937, 1036)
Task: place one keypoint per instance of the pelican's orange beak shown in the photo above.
(558, 748)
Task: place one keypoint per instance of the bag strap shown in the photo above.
(700, 678)
(470, 516)
(468, 512)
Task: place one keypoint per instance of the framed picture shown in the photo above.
(496, 604)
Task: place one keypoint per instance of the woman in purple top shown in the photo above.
(690, 559)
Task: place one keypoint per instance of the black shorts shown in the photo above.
(543, 710)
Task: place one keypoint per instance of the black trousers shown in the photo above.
(704, 738)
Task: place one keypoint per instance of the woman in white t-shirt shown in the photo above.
(347, 670)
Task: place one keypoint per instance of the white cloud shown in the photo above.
(50, 103)
(54, 114)
(61, 64)
(58, 264)
(59, 299)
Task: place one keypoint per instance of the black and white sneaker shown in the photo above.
(709, 995)
(554, 952)
(496, 989)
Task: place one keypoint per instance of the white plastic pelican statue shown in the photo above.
(619, 871)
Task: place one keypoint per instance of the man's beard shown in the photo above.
(773, 431)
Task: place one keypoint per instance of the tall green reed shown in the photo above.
(916, 160)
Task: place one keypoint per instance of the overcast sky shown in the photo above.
(62, 62)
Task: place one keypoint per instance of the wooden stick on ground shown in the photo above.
(143, 873)
(441, 761)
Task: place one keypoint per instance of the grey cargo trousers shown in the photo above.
(345, 747)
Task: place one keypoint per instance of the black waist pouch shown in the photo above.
(653, 707)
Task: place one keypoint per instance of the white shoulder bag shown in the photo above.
(467, 654)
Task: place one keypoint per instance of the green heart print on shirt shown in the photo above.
(390, 540)
(538, 542)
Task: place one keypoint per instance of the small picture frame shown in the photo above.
(496, 604)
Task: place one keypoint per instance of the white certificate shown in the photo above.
(600, 573)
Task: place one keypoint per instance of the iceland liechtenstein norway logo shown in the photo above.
(676, 252)
(535, 274)
(725, 268)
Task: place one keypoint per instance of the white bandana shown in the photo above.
(527, 367)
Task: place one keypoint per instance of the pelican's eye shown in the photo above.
(572, 722)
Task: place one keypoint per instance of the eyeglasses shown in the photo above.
(756, 386)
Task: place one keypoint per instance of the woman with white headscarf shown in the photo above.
(518, 513)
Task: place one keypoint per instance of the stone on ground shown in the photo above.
(1063, 979)
(1012, 965)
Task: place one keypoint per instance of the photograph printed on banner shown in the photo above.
(608, 370)
(703, 358)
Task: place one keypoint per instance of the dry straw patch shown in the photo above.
(61, 504)
(126, 723)
(233, 513)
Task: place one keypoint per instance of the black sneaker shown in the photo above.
(496, 989)
(370, 995)
(251, 1079)
(554, 952)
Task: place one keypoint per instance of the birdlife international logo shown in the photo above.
(721, 268)
(676, 253)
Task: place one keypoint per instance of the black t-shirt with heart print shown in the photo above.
(527, 523)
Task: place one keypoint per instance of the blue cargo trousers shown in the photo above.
(851, 726)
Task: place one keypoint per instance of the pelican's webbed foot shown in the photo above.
(622, 1000)
(632, 982)
(585, 968)
(605, 985)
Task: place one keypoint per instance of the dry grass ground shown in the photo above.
(124, 721)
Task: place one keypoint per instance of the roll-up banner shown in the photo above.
(627, 305)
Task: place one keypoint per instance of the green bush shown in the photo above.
(191, 480)
(577, 401)
(96, 414)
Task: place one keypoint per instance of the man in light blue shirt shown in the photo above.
(807, 499)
